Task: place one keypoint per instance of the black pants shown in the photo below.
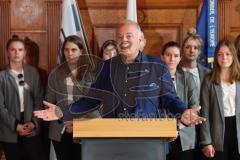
(44, 137)
(176, 152)
(26, 149)
(67, 149)
(198, 153)
(230, 150)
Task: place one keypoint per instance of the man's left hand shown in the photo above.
(190, 117)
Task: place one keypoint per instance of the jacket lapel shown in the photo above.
(28, 89)
(201, 74)
(180, 85)
(27, 79)
(218, 91)
(237, 100)
(12, 80)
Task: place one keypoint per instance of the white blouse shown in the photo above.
(70, 85)
(229, 95)
(174, 82)
(20, 88)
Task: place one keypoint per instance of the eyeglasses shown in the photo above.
(21, 81)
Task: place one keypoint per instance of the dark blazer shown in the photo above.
(212, 131)
(203, 71)
(144, 106)
(187, 91)
(57, 94)
(10, 102)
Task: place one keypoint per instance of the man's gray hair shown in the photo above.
(130, 22)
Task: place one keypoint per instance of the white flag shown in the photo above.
(72, 24)
(131, 10)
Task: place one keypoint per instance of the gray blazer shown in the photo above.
(212, 131)
(203, 71)
(10, 103)
(187, 91)
(57, 94)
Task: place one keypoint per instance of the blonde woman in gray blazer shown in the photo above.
(220, 101)
(182, 147)
(21, 93)
(191, 50)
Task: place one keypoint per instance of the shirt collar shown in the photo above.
(138, 58)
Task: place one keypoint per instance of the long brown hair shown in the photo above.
(106, 44)
(237, 45)
(234, 68)
(85, 59)
(73, 39)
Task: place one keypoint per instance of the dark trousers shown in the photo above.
(176, 152)
(44, 137)
(67, 149)
(230, 150)
(27, 148)
(198, 153)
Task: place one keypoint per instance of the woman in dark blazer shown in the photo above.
(64, 87)
(182, 147)
(220, 101)
(21, 93)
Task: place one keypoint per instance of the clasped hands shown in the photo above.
(25, 129)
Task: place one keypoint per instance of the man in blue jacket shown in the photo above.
(138, 85)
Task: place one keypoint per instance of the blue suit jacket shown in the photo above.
(150, 105)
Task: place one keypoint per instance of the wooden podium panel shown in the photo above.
(124, 128)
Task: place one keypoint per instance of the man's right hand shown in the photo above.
(51, 113)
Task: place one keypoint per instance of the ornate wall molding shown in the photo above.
(53, 12)
(142, 4)
(238, 8)
(4, 29)
(225, 0)
(27, 11)
(224, 20)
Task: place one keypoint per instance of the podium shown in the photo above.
(124, 139)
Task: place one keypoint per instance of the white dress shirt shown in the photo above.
(229, 95)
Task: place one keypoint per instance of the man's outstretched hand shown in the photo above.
(190, 117)
(51, 113)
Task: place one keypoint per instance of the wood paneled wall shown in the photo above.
(38, 20)
(4, 29)
(229, 19)
(161, 21)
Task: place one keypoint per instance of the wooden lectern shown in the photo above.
(124, 139)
